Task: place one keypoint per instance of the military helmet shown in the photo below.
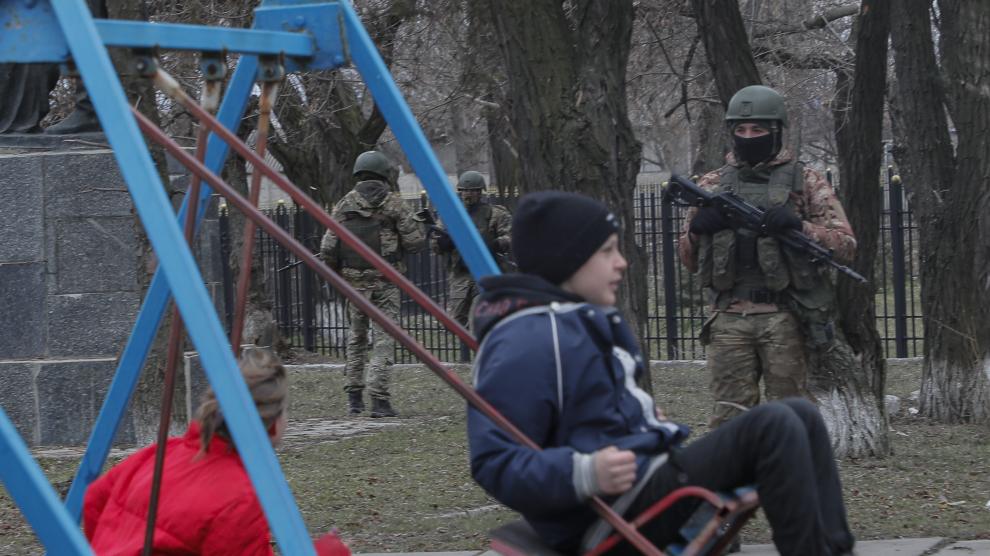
(756, 102)
(375, 163)
(471, 180)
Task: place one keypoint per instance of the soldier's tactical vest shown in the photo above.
(481, 217)
(740, 264)
(367, 225)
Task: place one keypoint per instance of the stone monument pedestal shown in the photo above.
(69, 282)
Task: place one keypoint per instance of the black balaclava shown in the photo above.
(754, 150)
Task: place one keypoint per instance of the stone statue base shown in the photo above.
(16, 143)
(71, 284)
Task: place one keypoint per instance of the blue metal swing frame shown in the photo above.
(308, 36)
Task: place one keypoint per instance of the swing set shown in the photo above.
(287, 36)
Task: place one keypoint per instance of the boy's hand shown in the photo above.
(615, 470)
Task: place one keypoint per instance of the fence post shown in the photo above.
(895, 193)
(307, 299)
(283, 282)
(226, 275)
(669, 270)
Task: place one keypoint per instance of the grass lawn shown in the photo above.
(403, 484)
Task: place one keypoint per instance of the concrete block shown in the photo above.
(461, 553)
(196, 383)
(966, 548)
(85, 185)
(892, 547)
(179, 182)
(21, 214)
(174, 166)
(208, 251)
(22, 297)
(70, 395)
(95, 255)
(18, 399)
(90, 325)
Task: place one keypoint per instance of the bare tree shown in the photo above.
(948, 189)
(850, 378)
(147, 398)
(325, 119)
(729, 55)
(483, 79)
(566, 69)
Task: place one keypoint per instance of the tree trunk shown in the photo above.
(727, 46)
(850, 383)
(950, 194)
(468, 145)
(260, 326)
(325, 134)
(711, 141)
(567, 98)
(481, 74)
(147, 400)
(506, 166)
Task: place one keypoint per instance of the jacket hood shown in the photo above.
(505, 294)
(366, 197)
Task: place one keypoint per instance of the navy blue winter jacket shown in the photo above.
(549, 363)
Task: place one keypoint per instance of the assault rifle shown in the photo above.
(684, 192)
(425, 216)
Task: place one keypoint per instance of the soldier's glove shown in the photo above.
(707, 221)
(425, 215)
(780, 219)
(443, 239)
(499, 246)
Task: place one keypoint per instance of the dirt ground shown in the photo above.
(403, 484)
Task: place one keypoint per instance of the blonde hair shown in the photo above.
(269, 386)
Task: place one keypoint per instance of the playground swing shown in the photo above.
(709, 533)
(86, 40)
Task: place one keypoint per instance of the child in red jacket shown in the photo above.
(208, 505)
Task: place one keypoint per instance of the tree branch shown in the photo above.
(786, 58)
(816, 22)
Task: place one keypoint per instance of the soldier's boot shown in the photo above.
(382, 408)
(82, 120)
(354, 402)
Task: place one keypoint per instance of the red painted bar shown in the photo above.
(362, 303)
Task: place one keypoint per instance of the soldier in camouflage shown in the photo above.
(769, 305)
(376, 214)
(494, 223)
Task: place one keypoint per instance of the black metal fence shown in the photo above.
(313, 316)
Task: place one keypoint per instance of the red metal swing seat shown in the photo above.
(709, 530)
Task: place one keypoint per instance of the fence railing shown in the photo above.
(312, 316)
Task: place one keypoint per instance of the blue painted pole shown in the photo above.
(201, 38)
(183, 276)
(403, 124)
(27, 485)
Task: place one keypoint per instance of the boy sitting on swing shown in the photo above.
(559, 362)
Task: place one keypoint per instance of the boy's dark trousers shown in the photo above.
(781, 447)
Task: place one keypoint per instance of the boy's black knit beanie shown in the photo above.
(554, 233)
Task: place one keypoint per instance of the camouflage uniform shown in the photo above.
(763, 319)
(393, 227)
(494, 223)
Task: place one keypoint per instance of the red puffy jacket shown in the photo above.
(207, 505)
